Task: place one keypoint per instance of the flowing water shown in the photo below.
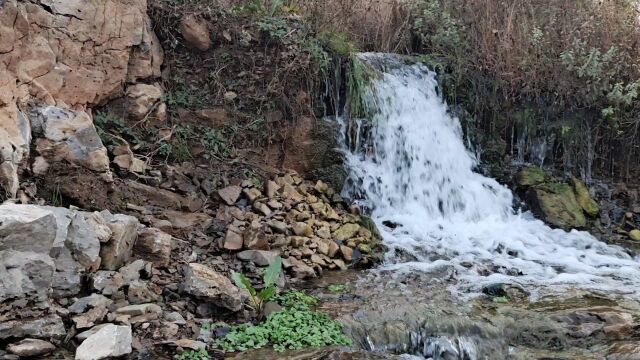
(409, 166)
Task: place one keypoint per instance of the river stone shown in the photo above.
(230, 194)
(25, 274)
(153, 245)
(26, 228)
(45, 327)
(110, 341)
(556, 204)
(258, 257)
(211, 286)
(585, 200)
(530, 176)
(346, 231)
(117, 250)
(31, 347)
(634, 234)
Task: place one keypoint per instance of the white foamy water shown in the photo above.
(412, 168)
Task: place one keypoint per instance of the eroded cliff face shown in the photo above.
(71, 54)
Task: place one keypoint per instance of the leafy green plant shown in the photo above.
(297, 300)
(336, 288)
(108, 124)
(215, 143)
(275, 28)
(200, 354)
(287, 329)
(257, 299)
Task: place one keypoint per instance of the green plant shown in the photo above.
(337, 42)
(56, 196)
(287, 329)
(258, 299)
(200, 354)
(110, 126)
(297, 300)
(275, 28)
(215, 143)
(337, 288)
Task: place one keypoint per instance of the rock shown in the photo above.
(230, 194)
(217, 116)
(25, 274)
(45, 327)
(624, 351)
(270, 308)
(585, 200)
(109, 341)
(233, 239)
(131, 163)
(187, 222)
(31, 347)
(271, 189)
(346, 231)
(255, 238)
(175, 317)
(135, 310)
(634, 234)
(107, 282)
(252, 194)
(27, 228)
(195, 32)
(340, 264)
(301, 270)
(85, 334)
(333, 249)
(92, 301)
(83, 242)
(302, 229)
(347, 253)
(277, 226)
(556, 204)
(138, 293)
(143, 100)
(190, 344)
(15, 138)
(133, 271)
(530, 176)
(262, 208)
(258, 257)
(68, 135)
(153, 245)
(90, 318)
(289, 192)
(323, 248)
(229, 96)
(208, 285)
(117, 251)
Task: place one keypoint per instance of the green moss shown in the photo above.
(338, 43)
(530, 176)
(585, 200)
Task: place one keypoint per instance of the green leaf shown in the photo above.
(500, 300)
(272, 272)
(267, 293)
(242, 282)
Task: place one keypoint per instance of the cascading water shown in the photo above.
(412, 169)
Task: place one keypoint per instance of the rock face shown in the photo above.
(110, 341)
(556, 203)
(210, 286)
(50, 326)
(67, 54)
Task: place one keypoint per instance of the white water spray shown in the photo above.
(413, 169)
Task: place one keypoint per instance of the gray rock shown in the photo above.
(49, 326)
(135, 310)
(139, 293)
(233, 240)
(92, 301)
(85, 334)
(26, 228)
(90, 318)
(133, 271)
(206, 284)
(258, 257)
(31, 347)
(175, 318)
(230, 194)
(153, 245)
(117, 250)
(25, 274)
(110, 341)
(107, 282)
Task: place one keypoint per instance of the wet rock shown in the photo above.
(585, 200)
(49, 326)
(258, 257)
(109, 341)
(153, 245)
(230, 194)
(195, 32)
(31, 348)
(208, 285)
(117, 250)
(530, 176)
(556, 204)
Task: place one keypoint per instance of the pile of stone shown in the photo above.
(305, 223)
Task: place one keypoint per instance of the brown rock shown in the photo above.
(31, 348)
(233, 239)
(262, 208)
(347, 253)
(195, 32)
(258, 257)
(255, 239)
(143, 100)
(217, 116)
(302, 229)
(117, 250)
(333, 249)
(252, 194)
(271, 189)
(153, 245)
(206, 284)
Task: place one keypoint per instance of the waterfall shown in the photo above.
(411, 169)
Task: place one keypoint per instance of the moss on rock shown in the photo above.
(585, 200)
(556, 204)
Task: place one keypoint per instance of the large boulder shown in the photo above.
(108, 342)
(556, 204)
(210, 286)
(27, 228)
(530, 176)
